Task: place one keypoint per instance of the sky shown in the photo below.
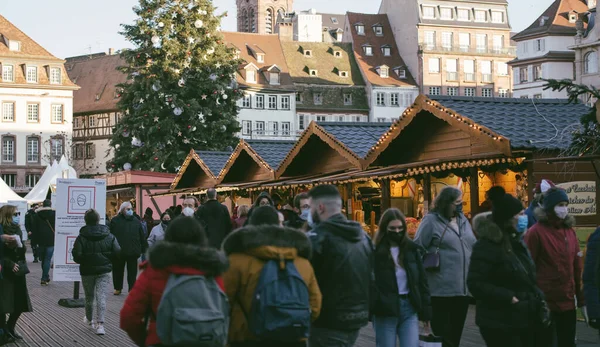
(69, 28)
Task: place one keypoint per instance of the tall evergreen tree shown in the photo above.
(180, 93)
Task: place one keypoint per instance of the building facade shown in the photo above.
(454, 47)
(329, 85)
(95, 111)
(390, 86)
(586, 47)
(543, 50)
(268, 108)
(259, 16)
(36, 96)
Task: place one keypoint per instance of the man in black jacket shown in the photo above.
(130, 234)
(299, 219)
(29, 221)
(43, 233)
(343, 264)
(215, 218)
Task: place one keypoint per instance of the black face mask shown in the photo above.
(396, 237)
(166, 222)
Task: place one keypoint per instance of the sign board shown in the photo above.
(73, 198)
(582, 197)
(22, 208)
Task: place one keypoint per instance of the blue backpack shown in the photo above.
(280, 308)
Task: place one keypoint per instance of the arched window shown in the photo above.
(269, 21)
(251, 22)
(590, 62)
(244, 25)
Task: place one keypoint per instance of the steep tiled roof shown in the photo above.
(271, 151)
(358, 137)
(29, 48)
(556, 20)
(97, 78)
(270, 45)
(214, 160)
(331, 23)
(324, 61)
(369, 64)
(527, 123)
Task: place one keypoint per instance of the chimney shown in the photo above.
(111, 51)
(286, 32)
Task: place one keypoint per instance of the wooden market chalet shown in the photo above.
(465, 142)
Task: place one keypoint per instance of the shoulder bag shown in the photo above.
(50, 225)
(431, 261)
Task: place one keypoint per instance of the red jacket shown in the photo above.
(555, 250)
(165, 258)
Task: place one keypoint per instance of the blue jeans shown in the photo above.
(46, 254)
(321, 337)
(405, 326)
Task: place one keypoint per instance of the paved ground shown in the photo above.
(51, 325)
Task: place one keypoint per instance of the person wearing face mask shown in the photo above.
(299, 220)
(189, 207)
(130, 234)
(215, 219)
(502, 275)
(555, 250)
(401, 298)
(447, 232)
(158, 232)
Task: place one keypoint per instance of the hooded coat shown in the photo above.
(94, 250)
(555, 251)
(14, 295)
(44, 226)
(343, 261)
(496, 276)
(166, 258)
(130, 234)
(257, 204)
(248, 250)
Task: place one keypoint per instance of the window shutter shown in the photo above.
(543, 45)
(93, 155)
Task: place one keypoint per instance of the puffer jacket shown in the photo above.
(556, 253)
(385, 302)
(43, 230)
(94, 250)
(343, 261)
(455, 253)
(166, 258)
(496, 276)
(130, 235)
(248, 249)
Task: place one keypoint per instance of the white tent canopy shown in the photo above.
(48, 180)
(7, 194)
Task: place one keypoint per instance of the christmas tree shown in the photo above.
(180, 93)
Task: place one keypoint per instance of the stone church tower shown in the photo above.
(260, 16)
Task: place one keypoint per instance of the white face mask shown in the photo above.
(561, 211)
(188, 211)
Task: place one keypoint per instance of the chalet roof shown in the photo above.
(214, 160)
(271, 47)
(98, 78)
(29, 48)
(358, 137)
(557, 20)
(368, 64)
(560, 56)
(324, 61)
(271, 151)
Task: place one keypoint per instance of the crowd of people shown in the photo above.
(305, 274)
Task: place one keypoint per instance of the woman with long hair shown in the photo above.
(402, 296)
(502, 275)
(445, 231)
(15, 297)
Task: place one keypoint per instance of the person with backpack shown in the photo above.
(343, 260)
(271, 286)
(181, 278)
(94, 250)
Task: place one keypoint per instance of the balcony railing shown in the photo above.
(505, 51)
(265, 134)
(486, 77)
(452, 76)
(469, 77)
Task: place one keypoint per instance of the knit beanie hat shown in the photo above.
(148, 212)
(553, 197)
(504, 206)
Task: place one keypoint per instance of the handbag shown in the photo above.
(430, 341)
(431, 261)
(23, 268)
(542, 313)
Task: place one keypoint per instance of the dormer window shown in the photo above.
(401, 72)
(497, 17)
(572, 17)
(251, 73)
(446, 13)
(360, 28)
(8, 73)
(384, 71)
(14, 46)
(368, 50)
(337, 54)
(273, 73)
(312, 72)
(481, 16)
(32, 74)
(260, 58)
(428, 12)
(378, 29)
(386, 50)
(343, 73)
(55, 75)
(308, 53)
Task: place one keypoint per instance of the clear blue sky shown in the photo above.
(75, 27)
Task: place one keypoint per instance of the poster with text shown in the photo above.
(73, 198)
(582, 197)
(22, 209)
